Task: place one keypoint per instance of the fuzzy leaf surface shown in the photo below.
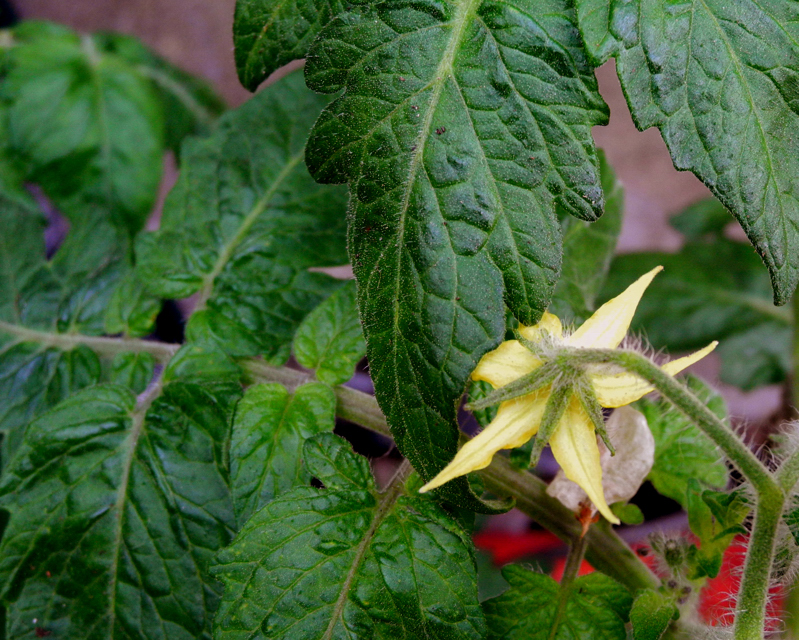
(269, 430)
(683, 453)
(346, 561)
(459, 127)
(597, 607)
(720, 80)
(243, 224)
(651, 615)
(330, 339)
(270, 33)
(87, 126)
(714, 289)
(115, 513)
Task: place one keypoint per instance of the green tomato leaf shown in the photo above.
(41, 302)
(459, 127)
(330, 339)
(791, 517)
(682, 452)
(190, 105)
(133, 370)
(628, 513)
(113, 503)
(86, 124)
(715, 518)
(244, 222)
(714, 290)
(718, 79)
(596, 607)
(269, 430)
(588, 250)
(651, 615)
(257, 306)
(347, 561)
(270, 33)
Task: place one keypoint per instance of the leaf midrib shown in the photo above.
(384, 506)
(460, 21)
(249, 220)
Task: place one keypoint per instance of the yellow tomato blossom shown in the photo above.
(573, 440)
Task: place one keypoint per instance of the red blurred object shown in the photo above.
(717, 600)
(506, 547)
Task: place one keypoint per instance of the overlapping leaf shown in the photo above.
(330, 339)
(713, 289)
(682, 452)
(533, 608)
(346, 561)
(116, 509)
(244, 223)
(651, 615)
(189, 104)
(270, 33)
(41, 300)
(459, 127)
(269, 430)
(720, 81)
(87, 126)
(588, 249)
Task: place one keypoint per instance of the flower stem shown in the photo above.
(793, 379)
(605, 550)
(574, 560)
(750, 611)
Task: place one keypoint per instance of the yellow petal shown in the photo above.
(609, 324)
(618, 390)
(549, 323)
(516, 422)
(510, 360)
(574, 447)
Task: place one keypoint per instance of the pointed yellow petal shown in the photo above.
(574, 447)
(618, 390)
(548, 322)
(508, 362)
(675, 366)
(515, 423)
(609, 324)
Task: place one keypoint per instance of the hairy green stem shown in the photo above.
(103, 346)
(750, 611)
(573, 562)
(605, 550)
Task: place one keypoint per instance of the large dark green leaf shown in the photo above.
(330, 339)
(270, 33)
(711, 290)
(588, 249)
(269, 430)
(245, 221)
(461, 124)
(682, 452)
(720, 79)
(116, 509)
(348, 562)
(86, 124)
(595, 607)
